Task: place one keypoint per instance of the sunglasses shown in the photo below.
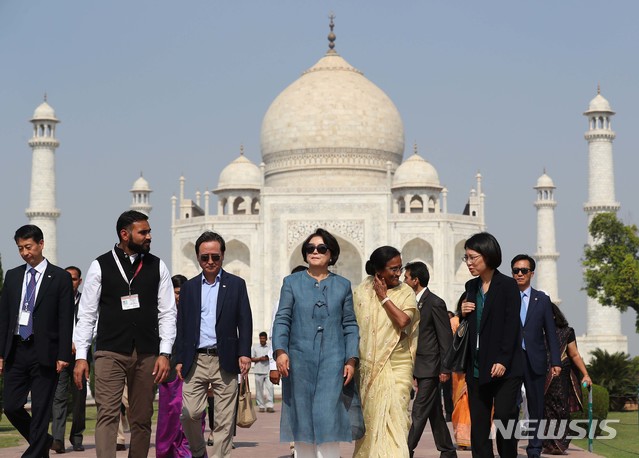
(321, 248)
(523, 270)
(213, 257)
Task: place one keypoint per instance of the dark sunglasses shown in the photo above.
(321, 248)
(213, 257)
(522, 270)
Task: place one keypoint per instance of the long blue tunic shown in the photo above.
(315, 325)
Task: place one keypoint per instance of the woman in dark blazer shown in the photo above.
(494, 368)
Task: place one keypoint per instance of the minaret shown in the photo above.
(42, 209)
(141, 193)
(546, 255)
(604, 322)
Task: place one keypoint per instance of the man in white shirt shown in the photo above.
(263, 386)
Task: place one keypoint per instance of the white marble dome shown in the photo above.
(598, 104)
(416, 172)
(44, 111)
(141, 185)
(545, 181)
(240, 174)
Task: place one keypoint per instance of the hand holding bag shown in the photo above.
(457, 354)
(245, 409)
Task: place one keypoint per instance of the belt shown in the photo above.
(208, 351)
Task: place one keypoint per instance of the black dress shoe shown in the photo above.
(120, 447)
(57, 446)
(78, 448)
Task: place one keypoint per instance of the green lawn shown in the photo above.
(624, 445)
(9, 437)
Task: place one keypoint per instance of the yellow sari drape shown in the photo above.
(385, 370)
(461, 412)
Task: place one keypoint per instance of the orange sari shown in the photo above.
(461, 412)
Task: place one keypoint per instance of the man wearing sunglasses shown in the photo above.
(213, 345)
(538, 332)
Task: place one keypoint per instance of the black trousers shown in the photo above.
(427, 406)
(60, 408)
(502, 395)
(534, 384)
(447, 394)
(22, 374)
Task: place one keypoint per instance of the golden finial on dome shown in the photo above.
(331, 35)
(598, 89)
(415, 147)
(45, 96)
(241, 150)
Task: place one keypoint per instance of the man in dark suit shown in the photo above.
(538, 331)
(36, 319)
(435, 336)
(215, 329)
(65, 382)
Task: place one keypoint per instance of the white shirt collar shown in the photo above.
(40, 268)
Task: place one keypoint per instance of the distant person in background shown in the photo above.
(170, 441)
(563, 393)
(263, 386)
(65, 383)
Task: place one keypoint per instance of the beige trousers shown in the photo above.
(206, 369)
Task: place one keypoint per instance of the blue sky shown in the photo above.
(175, 87)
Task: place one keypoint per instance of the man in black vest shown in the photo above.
(133, 292)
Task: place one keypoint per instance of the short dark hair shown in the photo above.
(209, 236)
(77, 269)
(419, 270)
(379, 258)
(486, 245)
(560, 318)
(523, 257)
(263, 334)
(29, 231)
(127, 218)
(329, 241)
(178, 280)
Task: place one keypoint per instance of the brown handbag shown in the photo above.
(245, 409)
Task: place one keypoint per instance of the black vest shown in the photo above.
(124, 330)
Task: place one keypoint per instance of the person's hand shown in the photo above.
(349, 372)
(379, 285)
(80, 373)
(443, 378)
(72, 348)
(467, 307)
(178, 369)
(555, 371)
(161, 369)
(60, 366)
(1, 365)
(245, 365)
(586, 380)
(498, 370)
(274, 377)
(282, 363)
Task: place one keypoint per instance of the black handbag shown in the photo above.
(457, 355)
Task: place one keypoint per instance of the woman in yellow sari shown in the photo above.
(387, 315)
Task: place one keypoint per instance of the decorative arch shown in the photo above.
(239, 206)
(255, 206)
(419, 249)
(431, 204)
(416, 204)
(237, 259)
(461, 272)
(190, 266)
(401, 204)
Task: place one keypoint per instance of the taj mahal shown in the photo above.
(332, 149)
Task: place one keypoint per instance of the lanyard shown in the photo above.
(25, 305)
(137, 271)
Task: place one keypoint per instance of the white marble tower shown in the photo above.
(546, 255)
(141, 196)
(42, 209)
(604, 322)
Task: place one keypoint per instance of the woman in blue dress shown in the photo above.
(315, 343)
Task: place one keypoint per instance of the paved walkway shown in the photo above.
(262, 440)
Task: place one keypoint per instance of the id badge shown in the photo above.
(130, 302)
(24, 317)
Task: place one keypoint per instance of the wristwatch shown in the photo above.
(166, 355)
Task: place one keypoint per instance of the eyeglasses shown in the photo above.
(472, 259)
(396, 270)
(213, 257)
(523, 270)
(321, 248)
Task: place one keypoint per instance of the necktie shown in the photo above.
(29, 301)
(522, 315)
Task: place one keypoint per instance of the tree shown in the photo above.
(611, 264)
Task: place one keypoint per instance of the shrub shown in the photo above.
(616, 372)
